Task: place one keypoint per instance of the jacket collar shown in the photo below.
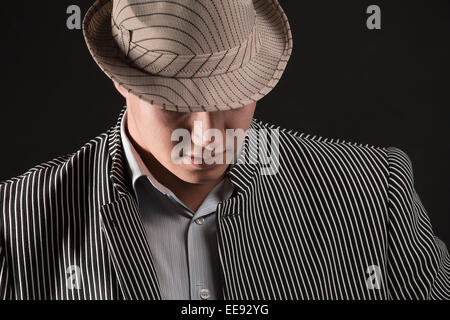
(123, 227)
(118, 173)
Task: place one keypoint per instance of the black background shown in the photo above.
(388, 87)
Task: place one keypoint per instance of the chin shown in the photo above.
(196, 175)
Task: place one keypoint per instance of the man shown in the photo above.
(122, 218)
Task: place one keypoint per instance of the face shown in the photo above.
(199, 137)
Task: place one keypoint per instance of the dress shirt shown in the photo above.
(183, 243)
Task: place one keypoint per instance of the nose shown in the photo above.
(201, 123)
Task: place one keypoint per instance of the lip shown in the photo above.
(202, 163)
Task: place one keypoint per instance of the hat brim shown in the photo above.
(226, 91)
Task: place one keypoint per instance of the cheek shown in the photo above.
(239, 121)
(161, 143)
(241, 118)
(154, 131)
(156, 138)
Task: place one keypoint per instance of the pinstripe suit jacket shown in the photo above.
(312, 231)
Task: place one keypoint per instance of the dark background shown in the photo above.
(388, 87)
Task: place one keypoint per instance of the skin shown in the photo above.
(150, 128)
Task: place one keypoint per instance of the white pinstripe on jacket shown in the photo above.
(312, 231)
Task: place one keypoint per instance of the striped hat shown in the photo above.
(191, 55)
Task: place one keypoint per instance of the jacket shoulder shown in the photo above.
(286, 134)
(320, 151)
(38, 176)
(39, 168)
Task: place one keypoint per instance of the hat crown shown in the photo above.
(185, 27)
(185, 38)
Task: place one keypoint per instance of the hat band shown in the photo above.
(184, 66)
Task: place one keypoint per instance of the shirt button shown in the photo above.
(200, 221)
(204, 294)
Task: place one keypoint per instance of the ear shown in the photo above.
(121, 90)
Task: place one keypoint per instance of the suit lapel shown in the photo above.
(232, 216)
(129, 250)
(123, 228)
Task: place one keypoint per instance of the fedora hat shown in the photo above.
(191, 55)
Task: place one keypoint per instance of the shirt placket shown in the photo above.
(200, 286)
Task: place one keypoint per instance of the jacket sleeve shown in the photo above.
(418, 262)
(5, 286)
